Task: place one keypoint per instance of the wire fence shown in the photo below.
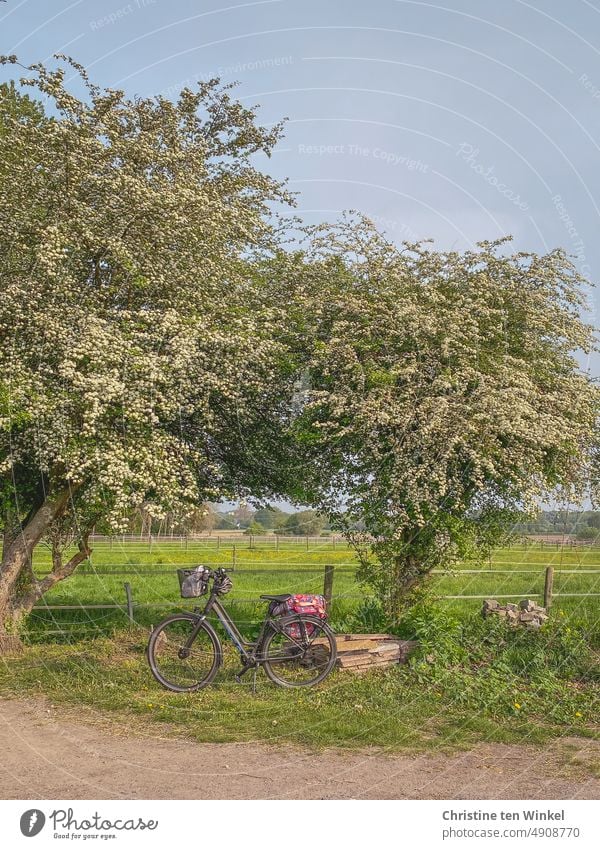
(218, 541)
(242, 553)
(130, 607)
(280, 540)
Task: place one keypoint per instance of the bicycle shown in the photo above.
(185, 652)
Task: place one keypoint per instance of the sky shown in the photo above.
(456, 122)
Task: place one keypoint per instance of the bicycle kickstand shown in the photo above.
(254, 680)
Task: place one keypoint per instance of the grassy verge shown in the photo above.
(470, 681)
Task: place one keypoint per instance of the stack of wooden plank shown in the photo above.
(361, 652)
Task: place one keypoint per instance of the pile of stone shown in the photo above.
(361, 652)
(526, 612)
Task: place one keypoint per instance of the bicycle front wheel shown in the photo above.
(177, 665)
(299, 651)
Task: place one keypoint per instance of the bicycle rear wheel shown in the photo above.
(300, 651)
(175, 666)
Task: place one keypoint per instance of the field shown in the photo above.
(296, 566)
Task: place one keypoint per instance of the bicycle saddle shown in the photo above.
(283, 597)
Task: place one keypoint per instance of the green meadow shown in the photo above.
(295, 566)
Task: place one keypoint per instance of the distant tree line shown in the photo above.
(209, 517)
(583, 524)
(273, 519)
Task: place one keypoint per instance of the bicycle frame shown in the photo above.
(248, 651)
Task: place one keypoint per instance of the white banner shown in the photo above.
(298, 824)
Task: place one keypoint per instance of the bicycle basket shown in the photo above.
(193, 582)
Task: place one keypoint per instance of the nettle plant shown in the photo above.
(138, 359)
(443, 395)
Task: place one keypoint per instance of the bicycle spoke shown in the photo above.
(178, 664)
(299, 654)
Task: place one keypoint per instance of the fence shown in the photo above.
(239, 538)
(328, 571)
(274, 539)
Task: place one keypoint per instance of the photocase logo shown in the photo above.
(32, 822)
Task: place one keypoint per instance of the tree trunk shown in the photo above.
(16, 559)
(23, 604)
(396, 589)
(407, 573)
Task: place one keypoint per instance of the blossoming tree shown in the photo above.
(137, 355)
(442, 394)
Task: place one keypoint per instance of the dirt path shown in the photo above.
(48, 756)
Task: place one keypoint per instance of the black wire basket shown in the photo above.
(193, 582)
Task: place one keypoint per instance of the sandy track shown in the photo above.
(48, 756)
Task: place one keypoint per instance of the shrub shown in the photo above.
(255, 529)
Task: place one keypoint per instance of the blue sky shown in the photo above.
(460, 122)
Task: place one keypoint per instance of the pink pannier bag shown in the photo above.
(303, 603)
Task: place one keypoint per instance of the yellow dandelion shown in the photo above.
(578, 713)
(517, 706)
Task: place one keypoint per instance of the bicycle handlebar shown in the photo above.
(217, 573)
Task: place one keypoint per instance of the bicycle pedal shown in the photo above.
(243, 671)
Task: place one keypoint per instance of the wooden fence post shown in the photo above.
(548, 584)
(129, 597)
(328, 583)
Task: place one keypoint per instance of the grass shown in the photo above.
(150, 570)
(469, 682)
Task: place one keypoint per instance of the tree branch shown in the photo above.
(62, 570)
(59, 572)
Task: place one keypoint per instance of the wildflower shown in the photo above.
(578, 713)
(517, 706)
